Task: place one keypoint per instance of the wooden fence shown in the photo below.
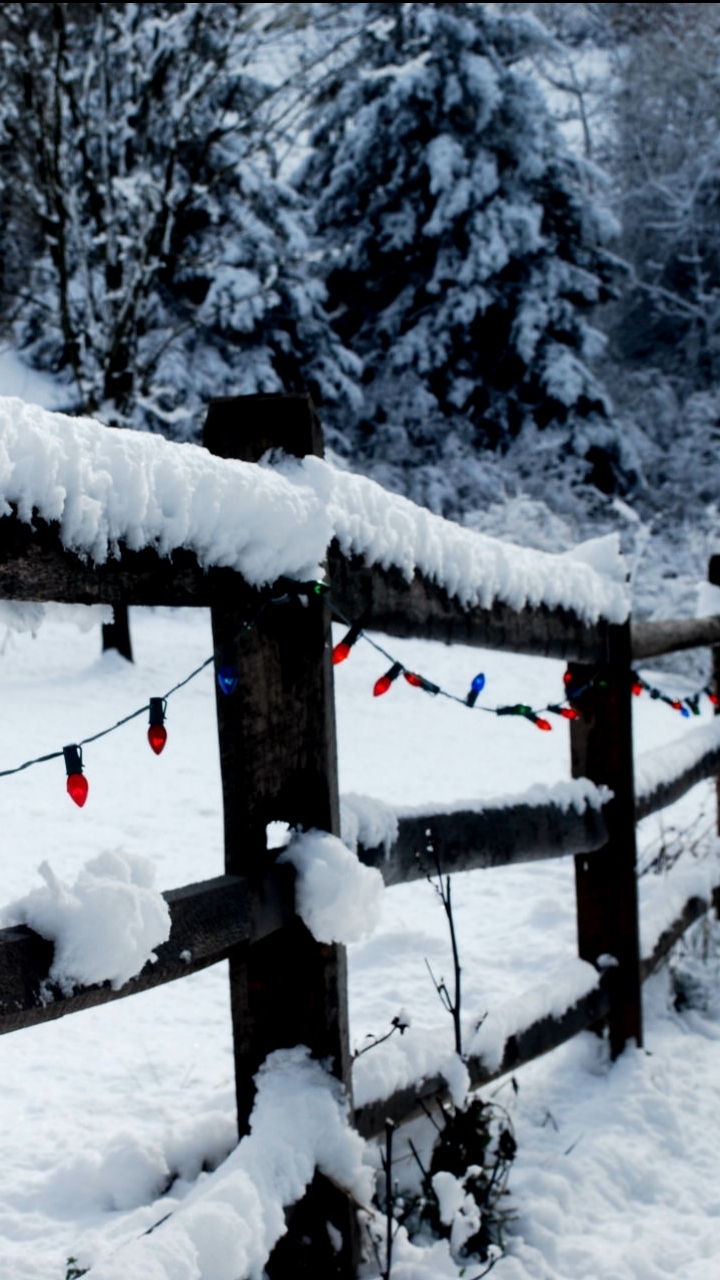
(278, 762)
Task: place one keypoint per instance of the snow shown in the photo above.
(105, 926)
(106, 487)
(367, 822)
(338, 898)
(662, 765)
(227, 1226)
(113, 1118)
(574, 793)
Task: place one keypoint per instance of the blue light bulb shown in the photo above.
(227, 678)
(478, 683)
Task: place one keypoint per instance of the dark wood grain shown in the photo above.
(387, 602)
(467, 840)
(34, 565)
(209, 920)
(651, 639)
(606, 885)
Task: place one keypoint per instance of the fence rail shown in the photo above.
(278, 762)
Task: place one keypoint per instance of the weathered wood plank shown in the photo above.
(605, 881)
(467, 840)
(387, 602)
(537, 1039)
(707, 767)
(208, 920)
(34, 565)
(694, 908)
(651, 639)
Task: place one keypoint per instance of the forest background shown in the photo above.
(485, 237)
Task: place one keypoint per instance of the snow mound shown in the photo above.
(228, 1225)
(367, 822)
(337, 896)
(110, 487)
(105, 927)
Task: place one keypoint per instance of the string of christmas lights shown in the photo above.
(688, 705)
(343, 649)
(228, 678)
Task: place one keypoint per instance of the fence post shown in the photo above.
(278, 763)
(606, 883)
(714, 578)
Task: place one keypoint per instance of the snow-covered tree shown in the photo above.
(152, 259)
(463, 254)
(665, 159)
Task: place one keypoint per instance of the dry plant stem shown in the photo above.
(389, 1130)
(443, 890)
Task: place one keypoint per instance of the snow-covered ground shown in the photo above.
(103, 1111)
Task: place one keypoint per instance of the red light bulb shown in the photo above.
(77, 783)
(569, 713)
(383, 684)
(157, 737)
(543, 724)
(567, 678)
(415, 681)
(77, 788)
(714, 699)
(157, 733)
(637, 689)
(340, 652)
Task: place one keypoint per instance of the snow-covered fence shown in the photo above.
(91, 516)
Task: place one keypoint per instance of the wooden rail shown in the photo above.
(652, 639)
(466, 840)
(209, 920)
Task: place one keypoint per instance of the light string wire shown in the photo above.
(216, 654)
(686, 705)
(437, 691)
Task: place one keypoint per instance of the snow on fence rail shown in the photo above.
(96, 516)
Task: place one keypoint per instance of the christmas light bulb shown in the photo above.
(637, 688)
(568, 713)
(77, 788)
(545, 725)
(77, 783)
(476, 688)
(157, 733)
(157, 737)
(342, 649)
(419, 682)
(227, 678)
(383, 684)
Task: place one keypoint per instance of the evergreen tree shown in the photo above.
(152, 260)
(463, 254)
